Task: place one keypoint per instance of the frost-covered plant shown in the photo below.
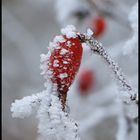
(59, 67)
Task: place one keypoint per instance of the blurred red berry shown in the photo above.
(64, 62)
(85, 81)
(98, 25)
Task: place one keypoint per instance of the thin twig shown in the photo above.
(97, 48)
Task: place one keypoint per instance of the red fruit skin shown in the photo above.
(86, 81)
(73, 57)
(98, 25)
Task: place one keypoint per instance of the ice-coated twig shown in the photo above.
(53, 122)
(96, 47)
(24, 107)
(58, 124)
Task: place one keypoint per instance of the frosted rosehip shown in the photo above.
(64, 62)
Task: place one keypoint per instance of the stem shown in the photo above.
(62, 97)
(97, 48)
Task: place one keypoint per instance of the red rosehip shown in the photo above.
(98, 26)
(64, 63)
(86, 81)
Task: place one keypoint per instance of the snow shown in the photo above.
(55, 63)
(43, 67)
(24, 107)
(63, 51)
(63, 75)
(65, 62)
(58, 48)
(55, 120)
(59, 38)
(49, 72)
(51, 46)
(69, 43)
(69, 31)
(89, 32)
(43, 58)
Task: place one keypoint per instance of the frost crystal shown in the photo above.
(24, 107)
(55, 63)
(63, 51)
(63, 75)
(43, 58)
(69, 31)
(89, 32)
(59, 39)
(68, 43)
(65, 62)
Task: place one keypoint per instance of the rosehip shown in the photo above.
(98, 26)
(86, 81)
(63, 63)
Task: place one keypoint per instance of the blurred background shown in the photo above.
(27, 28)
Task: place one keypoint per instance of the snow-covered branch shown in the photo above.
(25, 107)
(96, 47)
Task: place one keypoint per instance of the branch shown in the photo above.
(24, 107)
(96, 47)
